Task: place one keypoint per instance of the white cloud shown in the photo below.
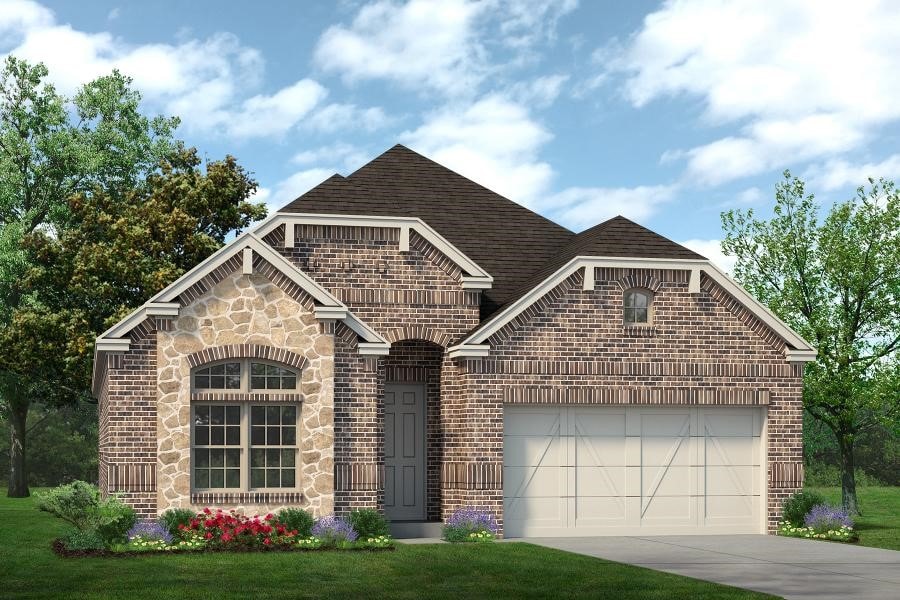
(338, 116)
(583, 207)
(806, 80)
(540, 92)
(711, 249)
(836, 174)
(421, 43)
(348, 157)
(493, 141)
(113, 14)
(497, 143)
(198, 79)
(438, 45)
(296, 185)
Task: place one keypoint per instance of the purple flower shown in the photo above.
(822, 518)
(334, 529)
(472, 519)
(149, 530)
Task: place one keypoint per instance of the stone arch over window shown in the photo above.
(244, 351)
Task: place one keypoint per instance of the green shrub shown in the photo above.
(174, 517)
(296, 518)
(796, 507)
(79, 503)
(74, 503)
(113, 520)
(78, 539)
(819, 474)
(368, 523)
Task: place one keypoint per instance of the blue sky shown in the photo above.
(667, 113)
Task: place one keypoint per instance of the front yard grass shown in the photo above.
(879, 525)
(29, 569)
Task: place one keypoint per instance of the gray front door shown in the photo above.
(404, 451)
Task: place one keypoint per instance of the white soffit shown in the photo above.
(477, 277)
(473, 345)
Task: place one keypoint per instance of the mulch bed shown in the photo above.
(59, 548)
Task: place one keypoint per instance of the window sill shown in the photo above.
(213, 498)
(639, 331)
(245, 397)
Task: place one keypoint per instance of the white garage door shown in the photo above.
(576, 470)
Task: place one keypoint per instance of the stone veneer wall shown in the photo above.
(574, 348)
(246, 311)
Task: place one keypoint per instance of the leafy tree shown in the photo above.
(116, 247)
(837, 282)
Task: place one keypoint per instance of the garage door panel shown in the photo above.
(535, 513)
(665, 423)
(738, 451)
(592, 423)
(535, 482)
(735, 508)
(669, 481)
(600, 511)
(600, 451)
(528, 451)
(531, 423)
(732, 481)
(600, 481)
(735, 422)
(669, 510)
(661, 451)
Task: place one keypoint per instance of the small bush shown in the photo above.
(469, 524)
(796, 507)
(75, 503)
(368, 523)
(113, 520)
(823, 518)
(172, 518)
(334, 531)
(78, 539)
(296, 519)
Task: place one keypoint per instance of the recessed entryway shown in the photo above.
(578, 471)
(404, 451)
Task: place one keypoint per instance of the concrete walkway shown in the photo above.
(788, 567)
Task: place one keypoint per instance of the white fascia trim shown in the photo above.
(475, 273)
(468, 350)
(112, 345)
(693, 265)
(373, 349)
(364, 330)
(800, 356)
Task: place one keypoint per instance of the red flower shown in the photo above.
(209, 535)
(269, 517)
(225, 537)
(207, 511)
(267, 541)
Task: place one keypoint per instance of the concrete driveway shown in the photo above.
(788, 567)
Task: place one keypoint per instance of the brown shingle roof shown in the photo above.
(518, 247)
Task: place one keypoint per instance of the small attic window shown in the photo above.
(636, 307)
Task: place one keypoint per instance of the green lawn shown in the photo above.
(28, 569)
(879, 525)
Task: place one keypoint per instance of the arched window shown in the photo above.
(249, 375)
(244, 443)
(636, 307)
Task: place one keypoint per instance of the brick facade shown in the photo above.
(571, 347)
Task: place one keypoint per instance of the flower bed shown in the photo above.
(821, 522)
(220, 531)
(470, 524)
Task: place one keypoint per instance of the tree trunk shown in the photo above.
(848, 474)
(18, 477)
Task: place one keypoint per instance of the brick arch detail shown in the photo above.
(645, 281)
(279, 355)
(418, 332)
